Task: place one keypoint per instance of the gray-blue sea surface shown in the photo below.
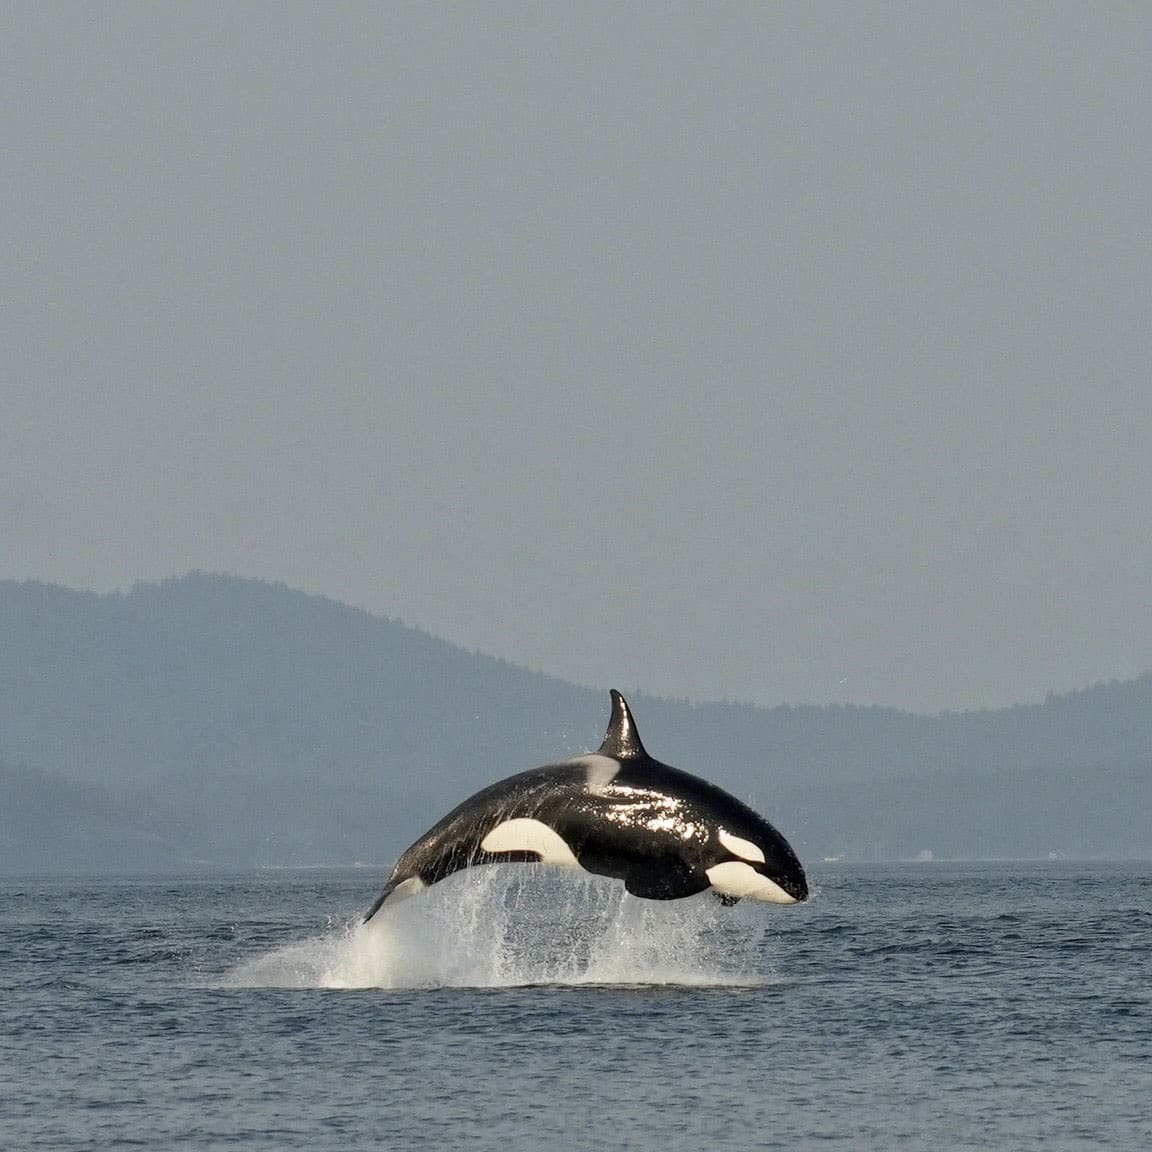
(939, 1006)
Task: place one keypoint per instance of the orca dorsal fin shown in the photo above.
(621, 741)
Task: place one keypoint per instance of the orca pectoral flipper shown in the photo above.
(663, 880)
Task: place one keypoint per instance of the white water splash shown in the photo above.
(506, 926)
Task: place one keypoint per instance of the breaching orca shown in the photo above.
(617, 813)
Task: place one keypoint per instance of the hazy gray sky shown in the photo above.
(775, 352)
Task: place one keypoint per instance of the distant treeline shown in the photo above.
(230, 722)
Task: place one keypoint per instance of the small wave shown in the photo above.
(517, 925)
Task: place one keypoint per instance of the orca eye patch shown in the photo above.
(738, 846)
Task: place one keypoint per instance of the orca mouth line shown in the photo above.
(794, 886)
(798, 892)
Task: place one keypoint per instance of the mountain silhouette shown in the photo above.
(230, 722)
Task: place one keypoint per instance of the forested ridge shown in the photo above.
(211, 720)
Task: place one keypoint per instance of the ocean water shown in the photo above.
(919, 1006)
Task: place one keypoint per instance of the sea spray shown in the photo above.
(505, 926)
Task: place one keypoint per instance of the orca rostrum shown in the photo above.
(616, 812)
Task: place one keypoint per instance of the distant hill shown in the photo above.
(232, 722)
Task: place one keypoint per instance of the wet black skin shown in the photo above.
(650, 825)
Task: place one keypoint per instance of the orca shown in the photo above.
(619, 813)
